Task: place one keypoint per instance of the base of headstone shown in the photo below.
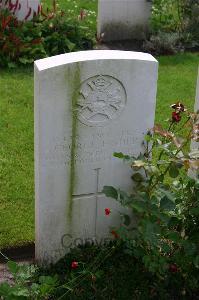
(125, 45)
(121, 20)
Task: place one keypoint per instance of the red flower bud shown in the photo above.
(176, 117)
(173, 268)
(74, 265)
(107, 211)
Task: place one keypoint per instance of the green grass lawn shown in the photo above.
(177, 81)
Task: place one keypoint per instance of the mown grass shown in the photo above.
(16, 156)
(177, 80)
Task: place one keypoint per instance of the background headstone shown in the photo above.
(123, 20)
(196, 108)
(195, 144)
(22, 9)
(88, 105)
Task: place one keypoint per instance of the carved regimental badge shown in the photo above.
(102, 99)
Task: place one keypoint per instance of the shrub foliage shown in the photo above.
(51, 32)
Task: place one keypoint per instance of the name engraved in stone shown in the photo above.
(97, 148)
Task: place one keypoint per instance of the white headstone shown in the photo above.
(122, 20)
(88, 105)
(197, 94)
(22, 9)
(194, 144)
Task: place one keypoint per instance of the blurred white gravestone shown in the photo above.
(22, 9)
(197, 94)
(123, 20)
(88, 105)
(194, 143)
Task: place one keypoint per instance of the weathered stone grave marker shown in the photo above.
(122, 20)
(197, 94)
(22, 9)
(88, 105)
(194, 143)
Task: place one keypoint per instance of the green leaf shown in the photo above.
(189, 248)
(165, 248)
(13, 267)
(126, 220)
(196, 261)
(173, 171)
(69, 44)
(21, 292)
(118, 154)
(167, 193)
(110, 191)
(25, 61)
(148, 137)
(167, 204)
(121, 155)
(49, 280)
(137, 177)
(174, 236)
(5, 289)
(11, 65)
(138, 206)
(124, 198)
(194, 211)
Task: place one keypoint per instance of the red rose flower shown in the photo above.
(176, 117)
(107, 211)
(173, 268)
(74, 265)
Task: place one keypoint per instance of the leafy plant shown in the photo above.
(51, 32)
(24, 286)
(19, 41)
(163, 43)
(174, 26)
(164, 201)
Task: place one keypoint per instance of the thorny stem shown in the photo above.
(168, 167)
(169, 128)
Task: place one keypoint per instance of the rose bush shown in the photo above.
(165, 201)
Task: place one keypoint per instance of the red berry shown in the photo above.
(107, 211)
(173, 268)
(74, 265)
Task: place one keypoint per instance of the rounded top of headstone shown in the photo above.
(80, 56)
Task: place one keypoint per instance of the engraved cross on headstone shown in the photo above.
(95, 194)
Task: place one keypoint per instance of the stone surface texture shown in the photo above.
(88, 105)
(123, 20)
(197, 94)
(195, 145)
